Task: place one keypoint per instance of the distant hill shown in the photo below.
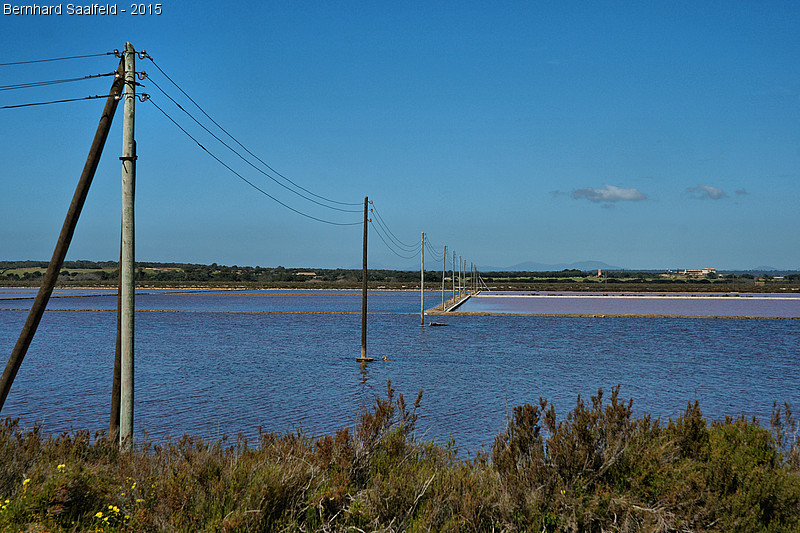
(532, 266)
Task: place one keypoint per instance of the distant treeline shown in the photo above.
(189, 272)
(99, 271)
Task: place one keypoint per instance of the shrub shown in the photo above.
(598, 469)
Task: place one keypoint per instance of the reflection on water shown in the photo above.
(220, 372)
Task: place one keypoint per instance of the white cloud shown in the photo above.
(705, 192)
(609, 193)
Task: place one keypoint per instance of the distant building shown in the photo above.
(702, 273)
(689, 273)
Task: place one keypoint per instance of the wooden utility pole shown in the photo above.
(444, 269)
(126, 269)
(64, 239)
(422, 285)
(113, 426)
(364, 358)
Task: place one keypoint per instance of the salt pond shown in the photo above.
(222, 362)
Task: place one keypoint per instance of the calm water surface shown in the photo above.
(695, 304)
(233, 367)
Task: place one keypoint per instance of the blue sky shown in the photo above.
(646, 135)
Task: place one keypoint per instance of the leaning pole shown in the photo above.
(64, 239)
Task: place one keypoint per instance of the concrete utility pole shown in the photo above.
(454, 275)
(422, 285)
(459, 277)
(127, 266)
(444, 269)
(64, 239)
(472, 274)
(364, 358)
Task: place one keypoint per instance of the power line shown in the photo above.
(436, 254)
(226, 145)
(378, 215)
(55, 101)
(240, 144)
(262, 191)
(378, 233)
(115, 52)
(32, 84)
(389, 234)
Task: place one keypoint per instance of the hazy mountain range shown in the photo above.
(585, 266)
(533, 266)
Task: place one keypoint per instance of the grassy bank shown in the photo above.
(600, 469)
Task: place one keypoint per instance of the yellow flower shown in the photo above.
(61, 467)
(99, 514)
(139, 500)
(133, 486)
(26, 481)
(563, 492)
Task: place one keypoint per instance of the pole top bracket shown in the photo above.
(128, 158)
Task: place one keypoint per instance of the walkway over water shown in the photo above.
(451, 305)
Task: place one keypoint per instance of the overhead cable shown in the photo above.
(241, 145)
(51, 82)
(406, 248)
(265, 193)
(378, 215)
(226, 145)
(55, 101)
(378, 233)
(436, 254)
(56, 59)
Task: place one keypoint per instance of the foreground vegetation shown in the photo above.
(600, 469)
